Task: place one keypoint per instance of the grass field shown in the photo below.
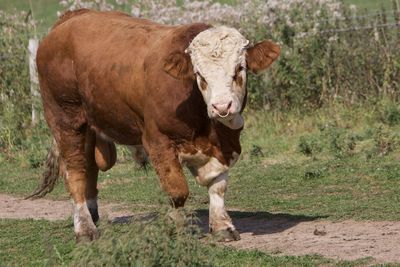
(335, 164)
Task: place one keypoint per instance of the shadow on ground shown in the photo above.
(256, 223)
(260, 222)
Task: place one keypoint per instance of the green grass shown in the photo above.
(35, 243)
(43, 243)
(44, 11)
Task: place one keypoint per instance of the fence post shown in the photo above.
(34, 81)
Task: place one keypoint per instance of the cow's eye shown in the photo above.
(238, 78)
(240, 68)
(203, 82)
(237, 72)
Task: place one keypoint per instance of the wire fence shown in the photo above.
(367, 15)
(378, 19)
(349, 29)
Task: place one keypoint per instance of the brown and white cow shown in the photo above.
(176, 91)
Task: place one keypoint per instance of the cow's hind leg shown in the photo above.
(92, 171)
(77, 150)
(66, 116)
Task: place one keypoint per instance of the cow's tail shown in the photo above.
(69, 14)
(53, 170)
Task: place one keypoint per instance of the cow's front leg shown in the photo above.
(219, 221)
(212, 173)
(165, 161)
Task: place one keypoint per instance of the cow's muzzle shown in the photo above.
(221, 110)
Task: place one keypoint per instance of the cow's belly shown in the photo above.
(118, 125)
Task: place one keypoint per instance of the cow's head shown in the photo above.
(218, 58)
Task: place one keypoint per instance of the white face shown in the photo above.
(218, 56)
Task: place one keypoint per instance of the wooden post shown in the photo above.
(32, 48)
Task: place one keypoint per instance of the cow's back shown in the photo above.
(95, 59)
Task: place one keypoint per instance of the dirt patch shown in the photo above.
(280, 234)
(346, 240)
(52, 210)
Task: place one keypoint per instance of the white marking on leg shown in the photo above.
(195, 160)
(203, 167)
(210, 171)
(219, 218)
(83, 224)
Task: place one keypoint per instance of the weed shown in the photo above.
(385, 141)
(390, 114)
(161, 242)
(340, 141)
(256, 152)
(309, 145)
(314, 173)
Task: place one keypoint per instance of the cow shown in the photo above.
(174, 94)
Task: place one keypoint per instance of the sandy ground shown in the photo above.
(18, 208)
(280, 234)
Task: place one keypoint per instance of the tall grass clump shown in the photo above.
(15, 102)
(17, 133)
(160, 242)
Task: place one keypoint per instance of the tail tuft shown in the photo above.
(51, 174)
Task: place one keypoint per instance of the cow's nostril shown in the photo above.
(222, 107)
(222, 110)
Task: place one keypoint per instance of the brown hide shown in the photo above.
(106, 70)
(129, 81)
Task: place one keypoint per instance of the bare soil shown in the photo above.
(280, 234)
(12, 207)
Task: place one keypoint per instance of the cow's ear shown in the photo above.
(261, 55)
(179, 65)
